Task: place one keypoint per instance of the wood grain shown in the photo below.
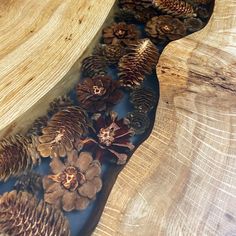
(41, 47)
(182, 179)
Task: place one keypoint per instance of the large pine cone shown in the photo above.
(98, 93)
(21, 214)
(15, 156)
(63, 130)
(141, 61)
(165, 27)
(179, 8)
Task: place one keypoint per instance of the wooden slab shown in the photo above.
(41, 46)
(182, 180)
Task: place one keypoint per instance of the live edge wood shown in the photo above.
(41, 47)
(182, 179)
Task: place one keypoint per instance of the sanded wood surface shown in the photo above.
(182, 180)
(41, 45)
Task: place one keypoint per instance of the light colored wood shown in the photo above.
(41, 47)
(182, 180)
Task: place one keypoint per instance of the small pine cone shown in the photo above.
(139, 121)
(21, 214)
(30, 182)
(140, 61)
(111, 53)
(59, 104)
(193, 24)
(64, 129)
(125, 15)
(143, 99)
(164, 28)
(94, 66)
(37, 126)
(179, 8)
(15, 157)
(120, 33)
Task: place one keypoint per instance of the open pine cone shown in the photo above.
(22, 215)
(120, 33)
(62, 131)
(74, 183)
(98, 93)
(17, 154)
(163, 28)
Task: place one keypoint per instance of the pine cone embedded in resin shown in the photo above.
(131, 4)
(94, 66)
(59, 104)
(163, 28)
(15, 156)
(139, 62)
(21, 214)
(98, 93)
(179, 8)
(139, 121)
(120, 33)
(62, 131)
(74, 183)
(110, 138)
(143, 99)
(111, 53)
(193, 24)
(37, 126)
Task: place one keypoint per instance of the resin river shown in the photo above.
(116, 100)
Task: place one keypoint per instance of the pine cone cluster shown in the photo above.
(94, 66)
(164, 28)
(140, 61)
(98, 93)
(111, 53)
(179, 8)
(21, 214)
(143, 99)
(15, 157)
(62, 131)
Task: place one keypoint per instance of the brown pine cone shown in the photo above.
(134, 66)
(59, 104)
(162, 28)
(21, 214)
(193, 24)
(131, 4)
(179, 8)
(37, 126)
(98, 93)
(15, 156)
(111, 53)
(94, 66)
(62, 132)
(120, 33)
(143, 99)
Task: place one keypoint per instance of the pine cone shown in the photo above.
(59, 104)
(98, 93)
(142, 11)
(139, 121)
(21, 214)
(15, 156)
(141, 61)
(62, 131)
(143, 99)
(178, 8)
(165, 27)
(111, 53)
(193, 24)
(198, 2)
(120, 33)
(37, 126)
(94, 66)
